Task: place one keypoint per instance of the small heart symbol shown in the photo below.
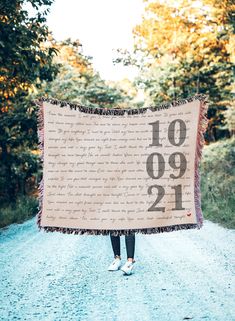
(188, 214)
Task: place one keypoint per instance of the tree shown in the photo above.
(25, 60)
(78, 82)
(187, 46)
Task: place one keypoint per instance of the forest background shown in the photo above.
(180, 49)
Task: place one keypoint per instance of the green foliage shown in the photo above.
(78, 82)
(217, 170)
(184, 49)
(170, 81)
(25, 61)
(229, 114)
(18, 135)
(24, 208)
(85, 89)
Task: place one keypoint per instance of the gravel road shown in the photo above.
(181, 275)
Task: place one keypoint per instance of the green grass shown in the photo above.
(217, 170)
(23, 209)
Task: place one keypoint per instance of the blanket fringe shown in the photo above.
(119, 111)
(76, 231)
(202, 125)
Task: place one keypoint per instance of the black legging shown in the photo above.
(130, 245)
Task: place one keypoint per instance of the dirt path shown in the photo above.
(182, 275)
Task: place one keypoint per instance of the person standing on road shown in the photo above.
(127, 268)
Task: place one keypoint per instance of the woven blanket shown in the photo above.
(120, 171)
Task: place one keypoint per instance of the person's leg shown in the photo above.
(115, 240)
(130, 246)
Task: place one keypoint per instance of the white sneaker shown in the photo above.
(127, 268)
(115, 265)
